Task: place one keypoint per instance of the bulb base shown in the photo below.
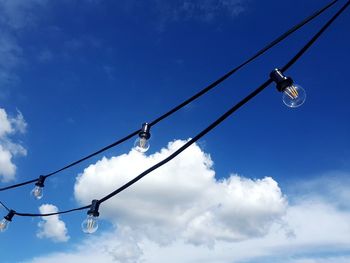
(41, 181)
(10, 215)
(282, 82)
(145, 131)
(95, 205)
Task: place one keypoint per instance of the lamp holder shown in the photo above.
(10, 215)
(282, 82)
(40, 181)
(145, 131)
(95, 205)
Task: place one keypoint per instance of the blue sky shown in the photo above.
(77, 75)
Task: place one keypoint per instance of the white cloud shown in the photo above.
(52, 227)
(8, 149)
(309, 234)
(345, 259)
(5, 127)
(183, 213)
(182, 199)
(7, 168)
(329, 186)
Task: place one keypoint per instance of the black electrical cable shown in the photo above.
(52, 214)
(228, 74)
(194, 97)
(95, 153)
(18, 185)
(74, 163)
(315, 37)
(211, 126)
(1, 203)
(190, 142)
(230, 111)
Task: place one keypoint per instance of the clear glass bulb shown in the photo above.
(37, 192)
(90, 224)
(4, 224)
(294, 96)
(141, 144)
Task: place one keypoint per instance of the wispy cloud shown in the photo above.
(164, 13)
(203, 11)
(329, 186)
(206, 10)
(15, 16)
(10, 59)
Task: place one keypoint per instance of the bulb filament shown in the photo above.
(3, 225)
(90, 223)
(292, 92)
(143, 142)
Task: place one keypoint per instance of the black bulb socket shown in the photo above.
(41, 181)
(10, 215)
(282, 82)
(145, 131)
(95, 205)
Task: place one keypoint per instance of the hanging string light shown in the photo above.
(192, 98)
(293, 94)
(38, 190)
(90, 224)
(4, 223)
(142, 142)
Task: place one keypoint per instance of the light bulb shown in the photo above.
(90, 224)
(37, 192)
(4, 224)
(294, 96)
(141, 144)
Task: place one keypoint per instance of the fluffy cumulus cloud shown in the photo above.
(312, 230)
(9, 126)
(52, 227)
(183, 199)
(182, 213)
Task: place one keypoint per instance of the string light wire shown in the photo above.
(189, 100)
(213, 125)
(4, 206)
